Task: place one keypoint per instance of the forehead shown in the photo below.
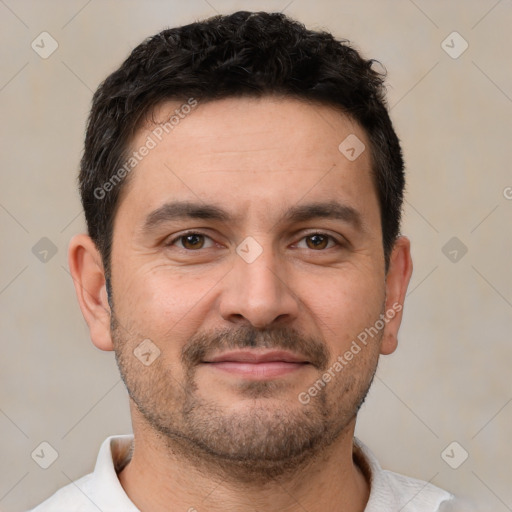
(250, 152)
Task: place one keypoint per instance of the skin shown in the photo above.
(211, 439)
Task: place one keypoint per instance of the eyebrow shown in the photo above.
(179, 210)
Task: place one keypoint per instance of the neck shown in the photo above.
(162, 477)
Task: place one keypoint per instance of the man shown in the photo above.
(242, 185)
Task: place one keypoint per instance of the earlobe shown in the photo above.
(397, 281)
(89, 280)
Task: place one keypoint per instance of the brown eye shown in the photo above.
(192, 242)
(317, 241)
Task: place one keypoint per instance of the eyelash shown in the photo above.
(188, 233)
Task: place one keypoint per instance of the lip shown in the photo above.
(253, 365)
(255, 357)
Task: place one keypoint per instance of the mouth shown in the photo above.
(257, 365)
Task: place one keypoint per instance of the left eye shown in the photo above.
(192, 241)
(319, 241)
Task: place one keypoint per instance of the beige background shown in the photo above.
(449, 381)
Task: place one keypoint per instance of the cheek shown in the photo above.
(165, 303)
(344, 304)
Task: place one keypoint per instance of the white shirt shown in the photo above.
(102, 491)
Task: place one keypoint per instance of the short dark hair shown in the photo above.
(236, 55)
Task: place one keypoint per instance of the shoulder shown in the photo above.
(73, 497)
(391, 491)
(99, 490)
(412, 495)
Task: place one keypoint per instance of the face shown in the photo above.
(248, 249)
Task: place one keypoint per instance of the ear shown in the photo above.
(89, 279)
(397, 281)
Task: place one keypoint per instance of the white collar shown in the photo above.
(389, 491)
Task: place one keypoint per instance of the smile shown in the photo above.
(257, 365)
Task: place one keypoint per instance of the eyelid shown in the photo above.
(338, 240)
(176, 237)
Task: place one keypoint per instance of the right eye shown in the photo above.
(191, 241)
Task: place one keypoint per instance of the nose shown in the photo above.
(258, 293)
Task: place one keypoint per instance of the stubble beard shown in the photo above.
(273, 439)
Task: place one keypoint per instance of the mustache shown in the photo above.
(204, 345)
